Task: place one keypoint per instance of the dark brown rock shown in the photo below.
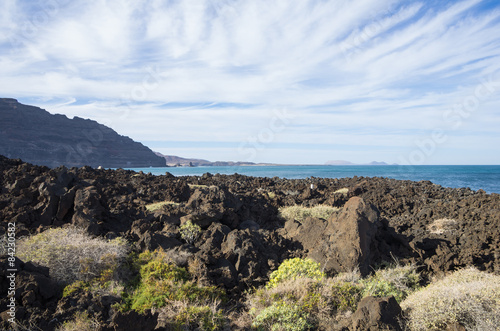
(375, 314)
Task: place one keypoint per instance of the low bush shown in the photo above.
(468, 297)
(282, 317)
(71, 254)
(295, 268)
(396, 280)
(298, 296)
(300, 213)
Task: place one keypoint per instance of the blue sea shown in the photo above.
(474, 177)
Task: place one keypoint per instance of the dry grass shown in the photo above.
(469, 297)
(159, 205)
(300, 213)
(71, 254)
(81, 322)
(442, 225)
(343, 191)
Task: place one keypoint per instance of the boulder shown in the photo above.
(375, 314)
(344, 242)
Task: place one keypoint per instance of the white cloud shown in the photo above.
(372, 74)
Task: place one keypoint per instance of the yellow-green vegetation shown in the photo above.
(343, 191)
(292, 269)
(298, 296)
(159, 205)
(71, 254)
(80, 322)
(395, 280)
(282, 316)
(469, 297)
(161, 284)
(190, 232)
(300, 213)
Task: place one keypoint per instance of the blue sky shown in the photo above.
(285, 81)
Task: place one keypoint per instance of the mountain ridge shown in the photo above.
(34, 135)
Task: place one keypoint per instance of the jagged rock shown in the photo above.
(375, 314)
(342, 243)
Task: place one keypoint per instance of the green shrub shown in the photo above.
(468, 297)
(281, 316)
(295, 268)
(396, 280)
(160, 282)
(319, 301)
(190, 232)
(71, 254)
(300, 213)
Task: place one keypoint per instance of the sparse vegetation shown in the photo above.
(300, 213)
(81, 322)
(71, 254)
(469, 297)
(159, 205)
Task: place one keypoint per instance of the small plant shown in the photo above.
(280, 316)
(396, 280)
(190, 232)
(159, 205)
(295, 268)
(468, 297)
(300, 213)
(71, 254)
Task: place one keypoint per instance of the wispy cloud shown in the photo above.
(375, 76)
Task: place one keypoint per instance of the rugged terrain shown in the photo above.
(243, 238)
(36, 136)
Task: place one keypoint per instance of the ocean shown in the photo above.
(475, 177)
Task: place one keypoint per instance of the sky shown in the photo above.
(282, 81)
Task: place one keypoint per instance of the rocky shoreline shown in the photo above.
(243, 238)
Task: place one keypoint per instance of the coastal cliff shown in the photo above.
(36, 136)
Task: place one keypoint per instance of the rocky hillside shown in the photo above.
(243, 238)
(36, 136)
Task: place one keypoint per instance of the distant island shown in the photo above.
(177, 161)
(343, 163)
